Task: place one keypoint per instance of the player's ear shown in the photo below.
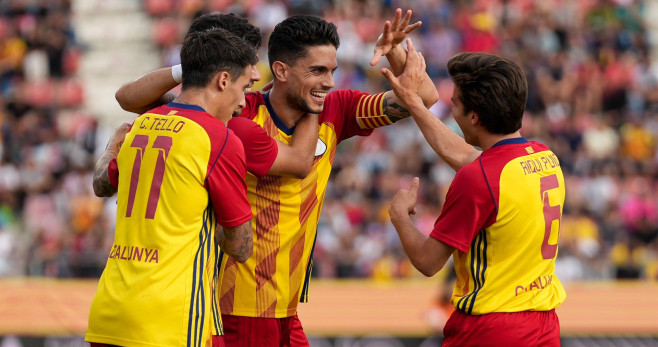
(475, 118)
(280, 69)
(223, 78)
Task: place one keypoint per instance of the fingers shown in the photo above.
(268, 86)
(414, 185)
(375, 59)
(410, 46)
(398, 16)
(389, 76)
(387, 29)
(407, 18)
(412, 27)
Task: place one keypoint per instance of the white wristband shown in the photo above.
(177, 73)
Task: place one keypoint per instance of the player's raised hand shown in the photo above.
(406, 85)
(393, 34)
(404, 200)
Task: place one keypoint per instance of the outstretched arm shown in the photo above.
(237, 241)
(427, 254)
(446, 143)
(102, 185)
(148, 91)
(389, 44)
(297, 158)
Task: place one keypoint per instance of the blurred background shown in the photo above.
(592, 68)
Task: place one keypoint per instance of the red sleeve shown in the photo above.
(340, 109)
(469, 207)
(259, 148)
(113, 172)
(226, 183)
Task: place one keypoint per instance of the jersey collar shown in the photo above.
(186, 106)
(277, 121)
(513, 141)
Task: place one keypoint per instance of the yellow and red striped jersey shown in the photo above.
(286, 212)
(180, 171)
(502, 215)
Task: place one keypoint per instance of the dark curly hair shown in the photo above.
(291, 38)
(231, 22)
(493, 87)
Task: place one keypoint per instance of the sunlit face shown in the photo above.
(236, 88)
(254, 76)
(463, 119)
(311, 78)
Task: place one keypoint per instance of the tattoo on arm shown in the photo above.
(393, 109)
(236, 241)
(102, 185)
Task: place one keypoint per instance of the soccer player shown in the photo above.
(264, 155)
(179, 173)
(502, 212)
(258, 299)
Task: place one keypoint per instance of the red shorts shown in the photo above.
(263, 332)
(528, 328)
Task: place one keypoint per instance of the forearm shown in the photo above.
(446, 143)
(237, 242)
(148, 91)
(102, 185)
(397, 57)
(412, 242)
(297, 158)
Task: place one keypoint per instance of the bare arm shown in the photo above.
(297, 158)
(237, 242)
(146, 92)
(389, 43)
(446, 143)
(427, 254)
(102, 185)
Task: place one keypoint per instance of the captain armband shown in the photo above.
(370, 112)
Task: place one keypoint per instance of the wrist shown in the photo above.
(398, 215)
(177, 73)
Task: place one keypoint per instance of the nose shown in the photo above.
(329, 81)
(255, 74)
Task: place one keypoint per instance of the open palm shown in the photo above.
(393, 34)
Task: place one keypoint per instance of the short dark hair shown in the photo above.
(493, 87)
(206, 53)
(291, 38)
(231, 22)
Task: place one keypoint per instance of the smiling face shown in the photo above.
(311, 78)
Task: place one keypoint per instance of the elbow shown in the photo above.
(244, 256)
(122, 98)
(428, 270)
(303, 170)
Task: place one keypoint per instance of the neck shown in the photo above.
(491, 139)
(288, 115)
(202, 99)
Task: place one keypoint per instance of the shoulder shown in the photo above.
(470, 177)
(248, 131)
(345, 95)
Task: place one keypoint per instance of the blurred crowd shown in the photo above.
(593, 99)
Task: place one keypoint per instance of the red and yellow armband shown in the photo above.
(370, 112)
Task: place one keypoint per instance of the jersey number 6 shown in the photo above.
(551, 213)
(140, 142)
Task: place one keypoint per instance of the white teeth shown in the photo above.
(320, 95)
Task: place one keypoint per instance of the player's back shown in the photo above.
(155, 289)
(510, 264)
